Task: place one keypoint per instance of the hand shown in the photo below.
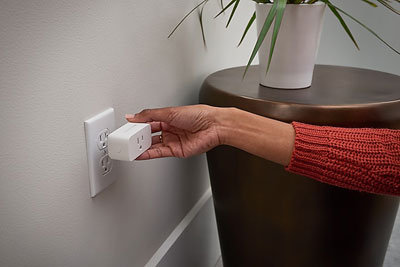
(191, 130)
(185, 131)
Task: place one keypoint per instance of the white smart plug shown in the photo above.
(129, 141)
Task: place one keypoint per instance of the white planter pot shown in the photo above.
(296, 48)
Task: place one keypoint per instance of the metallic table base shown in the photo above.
(269, 217)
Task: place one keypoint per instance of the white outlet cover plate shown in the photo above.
(94, 127)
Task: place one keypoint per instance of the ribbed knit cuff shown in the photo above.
(310, 152)
(361, 159)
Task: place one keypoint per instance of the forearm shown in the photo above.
(270, 139)
(358, 159)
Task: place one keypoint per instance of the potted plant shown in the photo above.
(287, 61)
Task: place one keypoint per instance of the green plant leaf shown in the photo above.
(187, 15)
(264, 30)
(341, 20)
(370, 3)
(390, 1)
(387, 5)
(248, 27)
(365, 27)
(233, 12)
(201, 24)
(280, 10)
(225, 8)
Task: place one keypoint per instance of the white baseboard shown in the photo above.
(194, 241)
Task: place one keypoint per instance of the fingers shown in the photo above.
(156, 152)
(149, 115)
(157, 126)
(157, 139)
(157, 149)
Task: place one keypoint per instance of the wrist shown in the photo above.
(267, 138)
(227, 121)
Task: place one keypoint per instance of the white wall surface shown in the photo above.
(337, 49)
(62, 62)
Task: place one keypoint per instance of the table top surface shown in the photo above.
(332, 85)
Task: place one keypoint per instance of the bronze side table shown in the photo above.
(268, 217)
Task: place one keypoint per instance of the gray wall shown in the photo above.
(336, 48)
(62, 62)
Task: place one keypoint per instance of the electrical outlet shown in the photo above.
(102, 139)
(106, 163)
(101, 172)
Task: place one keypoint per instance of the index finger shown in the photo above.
(149, 115)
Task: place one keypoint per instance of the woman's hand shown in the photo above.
(191, 130)
(184, 131)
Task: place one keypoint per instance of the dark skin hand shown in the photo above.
(186, 131)
(191, 130)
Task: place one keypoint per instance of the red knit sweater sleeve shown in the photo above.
(361, 159)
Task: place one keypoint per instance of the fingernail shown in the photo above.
(129, 116)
